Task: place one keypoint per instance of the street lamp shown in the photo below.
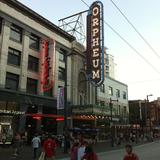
(66, 100)
(111, 120)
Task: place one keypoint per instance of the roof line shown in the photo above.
(38, 17)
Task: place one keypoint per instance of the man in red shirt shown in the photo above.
(129, 154)
(49, 146)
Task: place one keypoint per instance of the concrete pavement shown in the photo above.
(149, 151)
(116, 153)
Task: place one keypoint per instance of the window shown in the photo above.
(102, 88)
(124, 95)
(110, 92)
(107, 59)
(61, 74)
(32, 86)
(107, 68)
(102, 103)
(125, 110)
(0, 25)
(12, 81)
(81, 100)
(62, 55)
(119, 109)
(107, 74)
(33, 63)
(34, 42)
(14, 57)
(117, 93)
(16, 33)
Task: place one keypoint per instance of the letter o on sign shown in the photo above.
(95, 11)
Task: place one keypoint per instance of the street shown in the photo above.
(150, 151)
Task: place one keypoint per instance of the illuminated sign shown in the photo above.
(47, 65)
(12, 112)
(60, 119)
(95, 44)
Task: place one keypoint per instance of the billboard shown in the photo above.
(95, 44)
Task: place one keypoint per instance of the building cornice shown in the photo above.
(32, 14)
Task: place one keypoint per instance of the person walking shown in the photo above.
(36, 145)
(49, 147)
(81, 150)
(89, 154)
(129, 154)
(74, 151)
(16, 144)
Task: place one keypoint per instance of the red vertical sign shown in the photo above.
(47, 66)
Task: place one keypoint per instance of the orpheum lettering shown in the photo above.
(95, 46)
(96, 54)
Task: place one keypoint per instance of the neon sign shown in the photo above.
(47, 66)
(95, 44)
(12, 112)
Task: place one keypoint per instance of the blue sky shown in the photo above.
(131, 69)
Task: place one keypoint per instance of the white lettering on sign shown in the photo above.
(95, 22)
(95, 31)
(96, 65)
(96, 74)
(96, 52)
(95, 42)
(95, 11)
(12, 112)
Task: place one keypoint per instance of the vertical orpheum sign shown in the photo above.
(95, 44)
(47, 65)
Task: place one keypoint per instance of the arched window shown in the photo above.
(82, 88)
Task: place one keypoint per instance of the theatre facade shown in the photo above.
(36, 58)
(37, 61)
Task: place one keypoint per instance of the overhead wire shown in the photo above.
(124, 40)
(136, 30)
(143, 81)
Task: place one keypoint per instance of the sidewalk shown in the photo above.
(26, 153)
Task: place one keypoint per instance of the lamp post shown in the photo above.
(148, 113)
(66, 101)
(111, 120)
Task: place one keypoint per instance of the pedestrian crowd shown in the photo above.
(44, 148)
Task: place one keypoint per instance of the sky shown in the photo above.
(140, 77)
